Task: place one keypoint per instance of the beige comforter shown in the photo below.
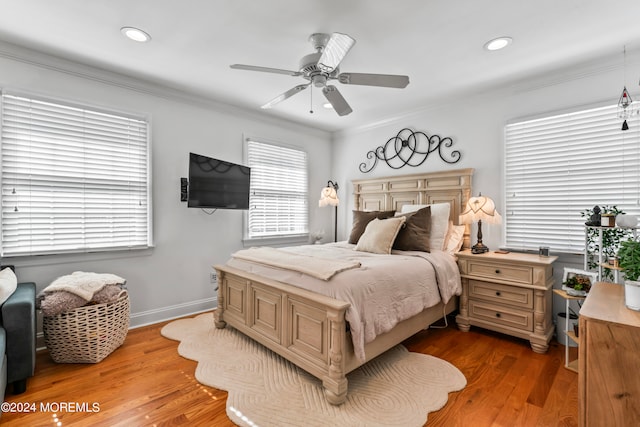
(383, 291)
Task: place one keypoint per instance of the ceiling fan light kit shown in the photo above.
(322, 66)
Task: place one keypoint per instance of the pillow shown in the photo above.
(455, 238)
(414, 234)
(8, 284)
(439, 222)
(379, 235)
(54, 303)
(362, 218)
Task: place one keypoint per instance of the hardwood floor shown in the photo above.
(146, 383)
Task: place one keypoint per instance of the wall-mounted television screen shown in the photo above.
(215, 183)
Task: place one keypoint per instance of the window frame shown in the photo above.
(95, 251)
(279, 239)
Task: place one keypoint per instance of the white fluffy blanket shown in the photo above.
(84, 284)
(320, 268)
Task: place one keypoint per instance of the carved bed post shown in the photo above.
(218, 317)
(336, 384)
(463, 316)
(466, 195)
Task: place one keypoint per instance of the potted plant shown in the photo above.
(611, 237)
(629, 255)
(577, 285)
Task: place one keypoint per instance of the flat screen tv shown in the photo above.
(217, 184)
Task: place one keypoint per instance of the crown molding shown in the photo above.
(123, 81)
(539, 80)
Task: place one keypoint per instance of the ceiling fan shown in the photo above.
(322, 66)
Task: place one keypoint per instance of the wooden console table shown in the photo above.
(609, 360)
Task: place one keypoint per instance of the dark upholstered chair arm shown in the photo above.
(19, 323)
(3, 343)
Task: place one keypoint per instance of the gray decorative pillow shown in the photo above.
(362, 218)
(415, 233)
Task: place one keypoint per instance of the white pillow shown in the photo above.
(454, 239)
(8, 284)
(380, 234)
(439, 222)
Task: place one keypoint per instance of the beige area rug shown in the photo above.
(398, 388)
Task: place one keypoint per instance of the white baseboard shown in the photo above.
(149, 317)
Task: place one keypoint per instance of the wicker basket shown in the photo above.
(87, 334)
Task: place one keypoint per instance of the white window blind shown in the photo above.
(74, 179)
(278, 203)
(558, 166)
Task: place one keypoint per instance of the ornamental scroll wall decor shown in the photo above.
(409, 148)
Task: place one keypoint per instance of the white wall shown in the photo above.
(476, 124)
(171, 279)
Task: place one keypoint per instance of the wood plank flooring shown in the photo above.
(146, 383)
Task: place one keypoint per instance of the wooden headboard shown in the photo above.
(390, 193)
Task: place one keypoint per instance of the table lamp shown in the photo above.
(480, 208)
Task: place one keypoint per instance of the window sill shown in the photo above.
(299, 239)
(63, 258)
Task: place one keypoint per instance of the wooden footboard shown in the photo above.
(306, 328)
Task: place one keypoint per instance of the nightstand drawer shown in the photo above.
(504, 294)
(496, 271)
(500, 315)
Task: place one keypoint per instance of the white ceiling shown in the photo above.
(437, 43)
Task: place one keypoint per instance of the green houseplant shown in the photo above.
(611, 238)
(629, 254)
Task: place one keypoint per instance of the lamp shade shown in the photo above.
(480, 208)
(328, 196)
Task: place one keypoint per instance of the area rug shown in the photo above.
(398, 388)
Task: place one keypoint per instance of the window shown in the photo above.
(278, 203)
(74, 179)
(556, 167)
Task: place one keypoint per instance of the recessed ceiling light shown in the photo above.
(327, 105)
(498, 43)
(135, 34)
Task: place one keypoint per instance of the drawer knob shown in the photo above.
(497, 314)
(497, 271)
(497, 293)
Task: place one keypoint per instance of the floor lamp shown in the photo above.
(329, 197)
(480, 209)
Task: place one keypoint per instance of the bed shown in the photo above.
(280, 310)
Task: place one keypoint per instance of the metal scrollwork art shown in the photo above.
(409, 148)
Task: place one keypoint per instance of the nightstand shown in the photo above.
(508, 293)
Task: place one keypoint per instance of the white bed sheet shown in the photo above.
(383, 291)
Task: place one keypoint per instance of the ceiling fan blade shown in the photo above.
(265, 69)
(336, 100)
(334, 52)
(383, 80)
(285, 95)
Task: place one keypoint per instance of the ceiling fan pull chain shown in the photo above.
(311, 99)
